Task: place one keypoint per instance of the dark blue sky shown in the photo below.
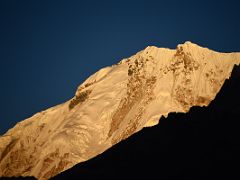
(47, 48)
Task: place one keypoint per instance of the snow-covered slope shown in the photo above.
(111, 105)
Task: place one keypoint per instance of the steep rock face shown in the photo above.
(111, 105)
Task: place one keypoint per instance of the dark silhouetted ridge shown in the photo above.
(202, 144)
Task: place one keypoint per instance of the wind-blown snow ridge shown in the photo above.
(111, 105)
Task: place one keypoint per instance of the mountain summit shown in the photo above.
(113, 104)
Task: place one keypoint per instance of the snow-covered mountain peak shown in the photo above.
(111, 105)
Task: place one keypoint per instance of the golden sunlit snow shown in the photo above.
(111, 105)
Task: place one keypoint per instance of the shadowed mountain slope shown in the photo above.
(202, 144)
